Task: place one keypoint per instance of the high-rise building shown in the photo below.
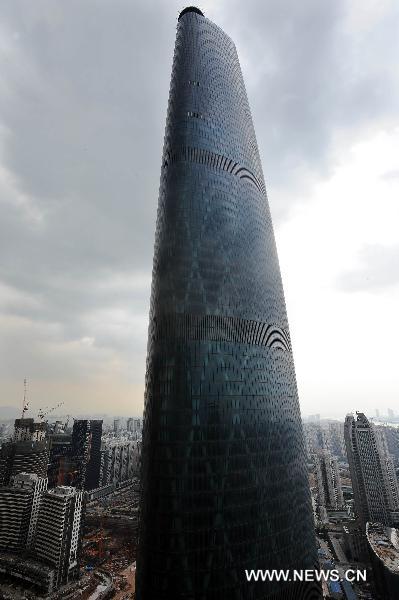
(224, 478)
(391, 435)
(134, 426)
(337, 439)
(62, 469)
(27, 452)
(328, 481)
(28, 430)
(23, 457)
(368, 471)
(316, 438)
(19, 508)
(86, 452)
(389, 471)
(119, 461)
(57, 538)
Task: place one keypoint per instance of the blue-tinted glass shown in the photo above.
(223, 470)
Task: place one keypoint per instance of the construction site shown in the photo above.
(108, 553)
(110, 539)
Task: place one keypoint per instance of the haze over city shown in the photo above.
(82, 119)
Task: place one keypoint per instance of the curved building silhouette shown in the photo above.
(224, 482)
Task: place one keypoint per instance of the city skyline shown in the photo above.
(110, 511)
(79, 185)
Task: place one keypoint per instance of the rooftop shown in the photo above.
(188, 9)
(62, 490)
(384, 541)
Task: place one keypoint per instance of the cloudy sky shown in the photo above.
(83, 95)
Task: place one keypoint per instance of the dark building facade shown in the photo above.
(23, 456)
(224, 482)
(86, 453)
(367, 471)
(62, 469)
(59, 533)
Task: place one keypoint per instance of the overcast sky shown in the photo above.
(83, 97)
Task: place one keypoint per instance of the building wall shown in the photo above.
(23, 456)
(15, 512)
(224, 476)
(368, 471)
(86, 452)
(328, 481)
(119, 461)
(58, 531)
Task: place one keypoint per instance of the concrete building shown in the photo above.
(28, 430)
(391, 436)
(57, 539)
(389, 471)
(134, 425)
(336, 436)
(86, 452)
(368, 471)
(62, 469)
(19, 509)
(28, 571)
(328, 483)
(316, 438)
(23, 456)
(120, 459)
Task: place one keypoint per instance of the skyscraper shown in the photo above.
(27, 452)
(23, 456)
(223, 464)
(86, 451)
(389, 472)
(368, 470)
(61, 468)
(58, 532)
(337, 438)
(328, 481)
(28, 430)
(19, 507)
(119, 461)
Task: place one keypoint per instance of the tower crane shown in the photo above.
(43, 412)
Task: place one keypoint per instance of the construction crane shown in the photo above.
(25, 402)
(67, 421)
(43, 412)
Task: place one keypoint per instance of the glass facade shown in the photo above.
(224, 482)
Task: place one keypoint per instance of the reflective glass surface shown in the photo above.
(224, 482)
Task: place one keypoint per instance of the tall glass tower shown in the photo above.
(224, 482)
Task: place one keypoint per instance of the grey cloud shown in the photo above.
(83, 95)
(378, 270)
(83, 113)
(309, 78)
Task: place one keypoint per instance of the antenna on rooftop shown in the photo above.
(25, 402)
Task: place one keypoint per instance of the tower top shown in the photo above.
(188, 9)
